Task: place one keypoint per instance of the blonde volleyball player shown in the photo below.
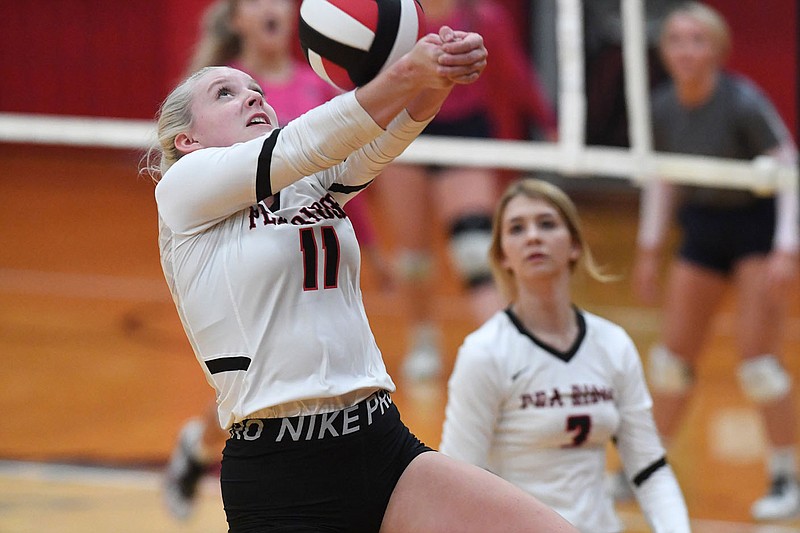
(263, 266)
(729, 237)
(538, 390)
(255, 36)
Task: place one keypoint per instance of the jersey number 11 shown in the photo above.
(330, 249)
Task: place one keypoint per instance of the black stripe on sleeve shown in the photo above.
(228, 364)
(348, 189)
(263, 182)
(643, 476)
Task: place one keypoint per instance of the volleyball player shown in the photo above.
(540, 388)
(255, 36)
(729, 238)
(263, 266)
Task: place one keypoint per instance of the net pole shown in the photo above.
(637, 97)
(571, 92)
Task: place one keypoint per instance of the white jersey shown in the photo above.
(542, 419)
(266, 281)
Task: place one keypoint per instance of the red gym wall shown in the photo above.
(765, 48)
(93, 57)
(119, 58)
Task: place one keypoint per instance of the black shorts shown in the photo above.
(326, 472)
(476, 126)
(718, 238)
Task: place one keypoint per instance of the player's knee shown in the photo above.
(667, 372)
(414, 266)
(470, 239)
(763, 379)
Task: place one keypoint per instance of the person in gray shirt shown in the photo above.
(728, 238)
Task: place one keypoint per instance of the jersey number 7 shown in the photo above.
(580, 425)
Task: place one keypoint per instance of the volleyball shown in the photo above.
(348, 42)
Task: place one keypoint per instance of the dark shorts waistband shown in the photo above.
(315, 427)
(331, 471)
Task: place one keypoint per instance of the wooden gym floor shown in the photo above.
(98, 376)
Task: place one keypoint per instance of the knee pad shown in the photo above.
(763, 378)
(470, 239)
(414, 266)
(667, 372)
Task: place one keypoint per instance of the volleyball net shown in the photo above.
(569, 157)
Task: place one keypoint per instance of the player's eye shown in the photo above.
(515, 228)
(223, 91)
(547, 223)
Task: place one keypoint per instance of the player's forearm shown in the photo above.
(365, 164)
(427, 103)
(655, 211)
(387, 95)
(787, 228)
(662, 502)
(422, 78)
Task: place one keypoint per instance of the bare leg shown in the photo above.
(692, 297)
(760, 330)
(470, 191)
(213, 437)
(760, 327)
(199, 445)
(405, 195)
(437, 493)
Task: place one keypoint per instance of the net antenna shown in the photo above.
(570, 156)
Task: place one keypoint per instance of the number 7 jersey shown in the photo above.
(542, 418)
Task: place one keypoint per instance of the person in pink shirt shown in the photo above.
(506, 102)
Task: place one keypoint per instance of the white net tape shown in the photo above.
(569, 156)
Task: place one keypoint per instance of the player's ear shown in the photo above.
(186, 144)
(576, 252)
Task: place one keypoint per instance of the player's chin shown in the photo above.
(255, 131)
